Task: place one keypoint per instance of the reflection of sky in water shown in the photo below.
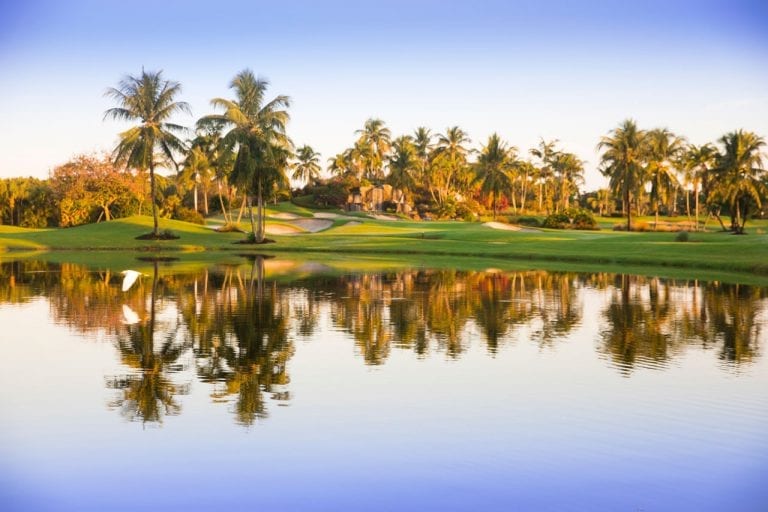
(531, 427)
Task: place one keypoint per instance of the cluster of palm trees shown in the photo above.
(655, 167)
(246, 143)
(244, 148)
(439, 170)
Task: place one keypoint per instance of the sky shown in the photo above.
(527, 70)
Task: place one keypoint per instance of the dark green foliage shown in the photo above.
(524, 220)
(682, 236)
(188, 215)
(572, 218)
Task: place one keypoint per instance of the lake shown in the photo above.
(276, 384)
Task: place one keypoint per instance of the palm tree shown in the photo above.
(738, 173)
(493, 169)
(375, 137)
(698, 161)
(546, 153)
(195, 165)
(307, 167)
(257, 129)
(403, 164)
(622, 162)
(568, 169)
(150, 100)
(664, 148)
(450, 159)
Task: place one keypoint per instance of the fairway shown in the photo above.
(711, 252)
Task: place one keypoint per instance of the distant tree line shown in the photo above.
(242, 156)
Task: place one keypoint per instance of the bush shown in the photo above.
(572, 218)
(682, 236)
(524, 220)
(188, 215)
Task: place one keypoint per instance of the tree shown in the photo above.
(546, 153)
(307, 166)
(449, 163)
(375, 139)
(195, 167)
(622, 162)
(403, 164)
(257, 129)
(89, 188)
(663, 149)
(493, 169)
(150, 100)
(699, 160)
(738, 173)
(568, 170)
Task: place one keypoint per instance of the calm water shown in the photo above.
(280, 385)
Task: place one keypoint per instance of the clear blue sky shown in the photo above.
(529, 69)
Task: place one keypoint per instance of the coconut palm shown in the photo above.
(622, 162)
(375, 138)
(150, 100)
(698, 160)
(194, 168)
(568, 170)
(739, 173)
(493, 169)
(307, 166)
(546, 152)
(664, 149)
(257, 130)
(403, 164)
(450, 162)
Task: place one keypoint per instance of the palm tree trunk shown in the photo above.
(242, 206)
(629, 210)
(221, 202)
(156, 229)
(250, 211)
(195, 197)
(696, 200)
(205, 200)
(260, 213)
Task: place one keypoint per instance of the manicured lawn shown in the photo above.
(713, 254)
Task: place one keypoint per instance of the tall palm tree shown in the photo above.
(450, 160)
(150, 100)
(739, 173)
(664, 149)
(568, 170)
(546, 152)
(698, 161)
(307, 166)
(622, 162)
(493, 169)
(257, 129)
(195, 166)
(376, 138)
(403, 164)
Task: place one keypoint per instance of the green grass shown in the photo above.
(711, 255)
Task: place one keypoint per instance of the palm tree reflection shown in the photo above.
(147, 393)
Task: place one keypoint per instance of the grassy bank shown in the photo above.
(711, 254)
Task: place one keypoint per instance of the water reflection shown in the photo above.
(233, 328)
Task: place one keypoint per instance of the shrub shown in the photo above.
(525, 220)
(682, 236)
(188, 215)
(572, 218)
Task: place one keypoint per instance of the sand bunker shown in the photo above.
(285, 216)
(501, 225)
(379, 216)
(313, 225)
